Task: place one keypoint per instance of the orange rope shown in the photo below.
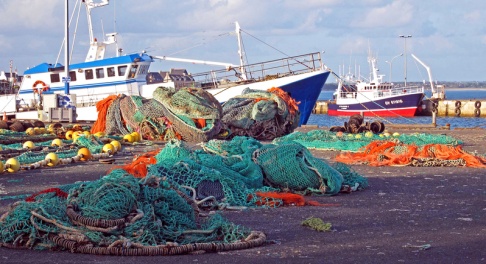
(102, 108)
(138, 167)
(286, 198)
(293, 105)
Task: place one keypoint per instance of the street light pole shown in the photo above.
(391, 63)
(405, 37)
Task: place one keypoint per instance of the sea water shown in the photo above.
(451, 94)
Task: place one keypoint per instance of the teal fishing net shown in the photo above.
(327, 140)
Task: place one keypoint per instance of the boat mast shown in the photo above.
(96, 50)
(66, 50)
(240, 51)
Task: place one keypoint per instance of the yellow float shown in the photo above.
(136, 136)
(84, 154)
(1, 167)
(28, 145)
(30, 131)
(128, 138)
(56, 142)
(52, 159)
(108, 148)
(69, 135)
(12, 165)
(116, 144)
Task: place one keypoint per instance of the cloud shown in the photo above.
(474, 16)
(398, 13)
(23, 15)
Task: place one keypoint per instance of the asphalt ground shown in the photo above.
(407, 215)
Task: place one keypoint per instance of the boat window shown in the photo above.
(88, 74)
(72, 75)
(133, 71)
(122, 70)
(55, 78)
(100, 73)
(143, 69)
(111, 71)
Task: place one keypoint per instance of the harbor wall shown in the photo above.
(458, 108)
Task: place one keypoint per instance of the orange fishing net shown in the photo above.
(138, 168)
(293, 105)
(388, 153)
(271, 199)
(102, 108)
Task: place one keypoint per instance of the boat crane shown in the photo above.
(437, 92)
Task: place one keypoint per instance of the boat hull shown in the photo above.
(304, 88)
(404, 105)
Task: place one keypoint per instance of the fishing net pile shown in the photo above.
(120, 215)
(263, 115)
(416, 149)
(191, 114)
(194, 115)
(241, 171)
(393, 153)
(328, 140)
(165, 211)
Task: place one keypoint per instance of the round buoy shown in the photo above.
(136, 136)
(87, 133)
(386, 134)
(358, 136)
(56, 142)
(108, 148)
(52, 159)
(339, 134)
(76, 135)
(128, 138)
(396, 134)
(28, 145)
(30, 131)
(369, 134)
(84, 153)
(69, 135)
(12, 165)
(37, 131)
(116, 144)
(1, 167)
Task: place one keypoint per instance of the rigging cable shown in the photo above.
(276, 49)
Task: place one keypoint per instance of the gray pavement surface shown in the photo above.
(407, 215)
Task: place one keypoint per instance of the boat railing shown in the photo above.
(260, 71)
(406, 90)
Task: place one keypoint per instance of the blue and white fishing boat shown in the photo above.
(43, 89)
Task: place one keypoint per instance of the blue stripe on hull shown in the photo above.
(398, 102)
(306, 92)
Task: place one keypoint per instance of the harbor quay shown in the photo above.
(406, 215)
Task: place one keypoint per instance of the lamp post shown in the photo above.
(391, 63)
(405, 51)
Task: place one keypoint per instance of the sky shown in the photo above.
(447, 35)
